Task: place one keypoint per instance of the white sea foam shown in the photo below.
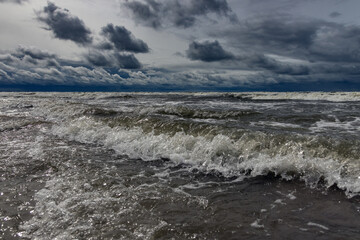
(276, 124)
(317, 225)
(326, 96)
(256, 224)
(291, 196)
(352, 126)
(279, 201)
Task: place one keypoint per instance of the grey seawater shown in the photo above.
(179, 165)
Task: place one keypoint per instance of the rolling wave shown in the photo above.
(231, 151)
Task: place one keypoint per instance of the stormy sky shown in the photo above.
(179, 45)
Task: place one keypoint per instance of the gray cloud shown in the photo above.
(207, 51)
(128, 61)
(307, 47)
(123, 39)
(64, 25)
(98, 59)
(278, 33)
(34, 53)
(306, 39)
(105, 45)
(7, 58)
(13, 1)
(335, 14)
(146, 13)
(68, 27)
(113, 50)
(335, 43)
(183, 14)
(212, 52)
(27, 57)
(104, 54)
(264, 62)
(113, 59)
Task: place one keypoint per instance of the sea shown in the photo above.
(255, 165)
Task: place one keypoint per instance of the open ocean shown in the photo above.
(180, 165)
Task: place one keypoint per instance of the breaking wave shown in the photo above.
(232, 152)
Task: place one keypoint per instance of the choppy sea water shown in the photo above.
(180, 165)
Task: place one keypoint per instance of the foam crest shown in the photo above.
(351, 126)
(187, 112)
(312, 96)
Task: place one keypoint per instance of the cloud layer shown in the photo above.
(306, 39)
(28, 65)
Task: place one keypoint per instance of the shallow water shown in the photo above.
(179, 166)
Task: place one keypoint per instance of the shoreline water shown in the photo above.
(182, 166)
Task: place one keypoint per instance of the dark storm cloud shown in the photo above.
(208, 51)
(146, 13)
(34, 53)
(184, 14)
(335, 14)
(98, 59)
(113, 50)
(200, 7)
(28, 57)
(7, 58)
(105, 45)
(336, 43)
(306, 39)
(123, 39)
(273, 33)
(64, 25)
(13, 1)
(128, 61)
(113, 59)
(107, 53)
(270, 64)
(213, 52)
(286, 46)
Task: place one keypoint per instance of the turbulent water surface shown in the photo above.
(180, 165)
